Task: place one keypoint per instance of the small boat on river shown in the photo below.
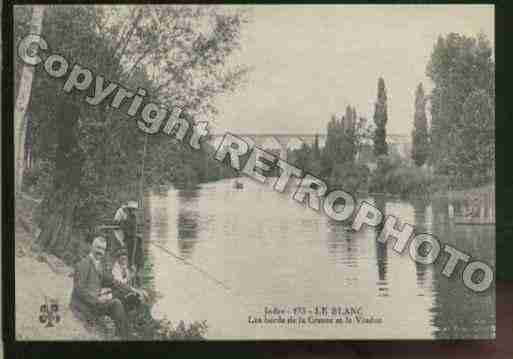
(238, 185)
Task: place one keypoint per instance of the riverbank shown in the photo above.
(37, 281)
(43, 278)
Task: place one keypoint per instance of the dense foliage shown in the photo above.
(458, 148)
(462, 109)
(85, 160)
(146, 327)
(336, 162)
(393, 176)
(107, 152)
(179, 54)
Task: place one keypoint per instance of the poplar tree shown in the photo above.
(380, 120)
(462, 70)
(420, 139)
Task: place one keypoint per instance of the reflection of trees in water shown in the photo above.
(381, 248)
(343, 248)
(341, 244)
(457, 311)
(188, 195)
(159, 224)
(381, 260)
(420, 206)
(187, 221)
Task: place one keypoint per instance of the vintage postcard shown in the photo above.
(249, 172)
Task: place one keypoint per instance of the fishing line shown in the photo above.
(202, 271)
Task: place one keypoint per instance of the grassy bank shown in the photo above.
(41, 277)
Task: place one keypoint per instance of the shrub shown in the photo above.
(394, 177)
(148, 328)
(350, 177)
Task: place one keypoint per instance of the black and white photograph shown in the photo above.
(254, 172)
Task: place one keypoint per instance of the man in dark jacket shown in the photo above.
(90, 279)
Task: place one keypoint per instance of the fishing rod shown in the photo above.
(164, 249)
(171, 253)
(141, 193)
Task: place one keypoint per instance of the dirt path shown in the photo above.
(34, 282)
(37, 282)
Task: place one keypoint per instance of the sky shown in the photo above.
(311, 61)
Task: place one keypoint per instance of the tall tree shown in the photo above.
(330, 150)
(420, 136)
(22, 101)
(380, 120)
(472, 152)
(349, 136)
(459, 66)
(187, 47)
(303, 157)
(343, 140)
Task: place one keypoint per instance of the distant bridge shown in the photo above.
(289, 141)
(284, 142)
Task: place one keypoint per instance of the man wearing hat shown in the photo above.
(126, 235)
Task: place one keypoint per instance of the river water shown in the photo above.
(251, 248)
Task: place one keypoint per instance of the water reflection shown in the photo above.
(420, 207)
(273, 251)
(188, 195)
(187, 221)
(381, 250)
(457, 311)
(159, 223)
(187, 232)
(341, 245)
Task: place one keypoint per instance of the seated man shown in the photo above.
(90, 280)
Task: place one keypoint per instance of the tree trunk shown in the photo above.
(59, 206)
(22, 100)
(57, 224)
